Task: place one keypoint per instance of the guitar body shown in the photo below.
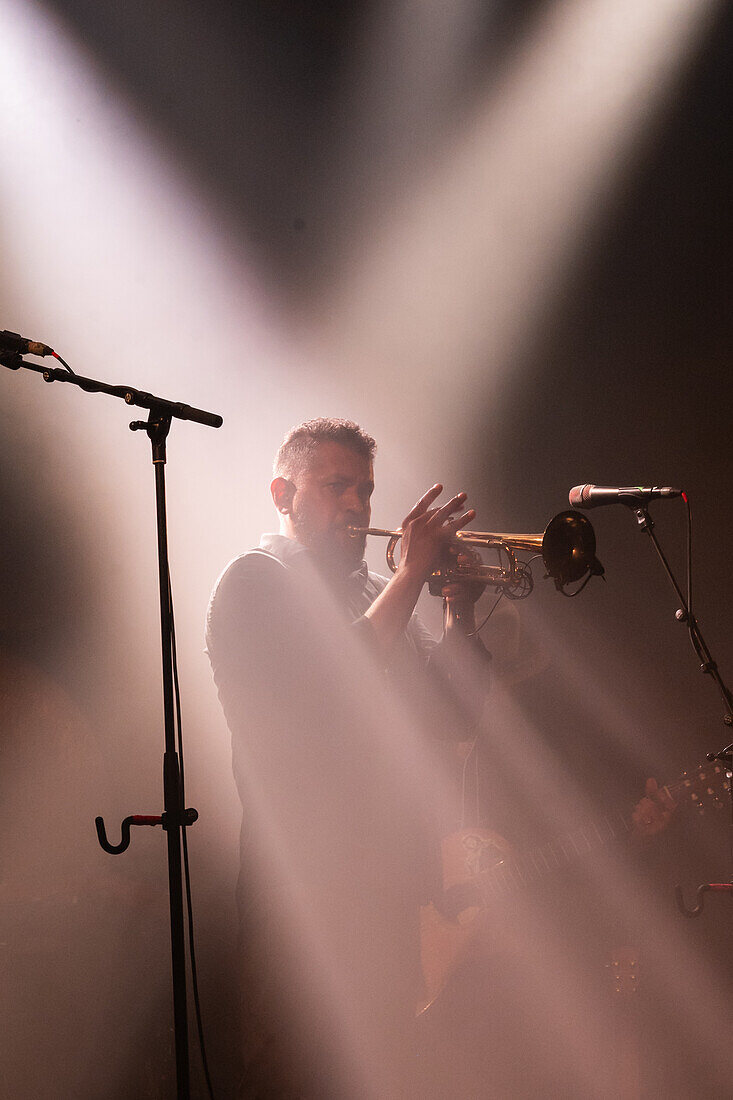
(467, 855)
(624, 974)
(480, 870)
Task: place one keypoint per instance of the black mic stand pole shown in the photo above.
(684, 615)
(175, 816)
(709, 666)
(157, 428)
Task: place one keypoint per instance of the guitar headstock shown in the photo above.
(705, 787)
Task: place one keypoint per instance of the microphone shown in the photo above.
(634, 496)
(17, 344)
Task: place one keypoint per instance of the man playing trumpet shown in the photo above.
(336, 696)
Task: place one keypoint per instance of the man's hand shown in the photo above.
(427, 532)
(653, 813)
(465, 592)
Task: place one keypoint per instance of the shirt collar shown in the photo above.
(287, 550)
(294, 554)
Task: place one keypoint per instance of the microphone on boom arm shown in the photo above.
(633, 496)
(15, 344)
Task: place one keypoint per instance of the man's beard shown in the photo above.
(334, 549)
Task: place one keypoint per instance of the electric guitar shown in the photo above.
(481, 871)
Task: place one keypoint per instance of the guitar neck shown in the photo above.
(517, 872)
(512, 873)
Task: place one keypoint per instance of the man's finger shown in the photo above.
(424, 502)
(461, 521)
(665, 800)
(424, 518)
(660, 795)
(447, 510)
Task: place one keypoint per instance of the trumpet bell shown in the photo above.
(569, 548)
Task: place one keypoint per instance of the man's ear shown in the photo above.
(283, 492)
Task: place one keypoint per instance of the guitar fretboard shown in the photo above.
(517, 872)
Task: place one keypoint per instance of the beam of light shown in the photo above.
(109, 246)
(441, 293)
(115, 261)
(109, 250)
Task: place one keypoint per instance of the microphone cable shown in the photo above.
(62, 362)
(691, 620)
(477, 630)
(184, 840)
(580, 588)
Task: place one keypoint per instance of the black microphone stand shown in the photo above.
(684, 615)
(708, 666)
(175, 816)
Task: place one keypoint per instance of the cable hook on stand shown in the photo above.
(189, 816)
(725, 756)
(719, 887)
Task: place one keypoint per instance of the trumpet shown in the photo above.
(567, 547)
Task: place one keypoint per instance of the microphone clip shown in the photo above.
(13, 360)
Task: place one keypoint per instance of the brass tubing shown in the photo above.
(567, 547)
(471, 538)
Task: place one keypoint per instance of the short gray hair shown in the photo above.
(300, 442)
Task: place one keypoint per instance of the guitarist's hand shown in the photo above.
(653, 813)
